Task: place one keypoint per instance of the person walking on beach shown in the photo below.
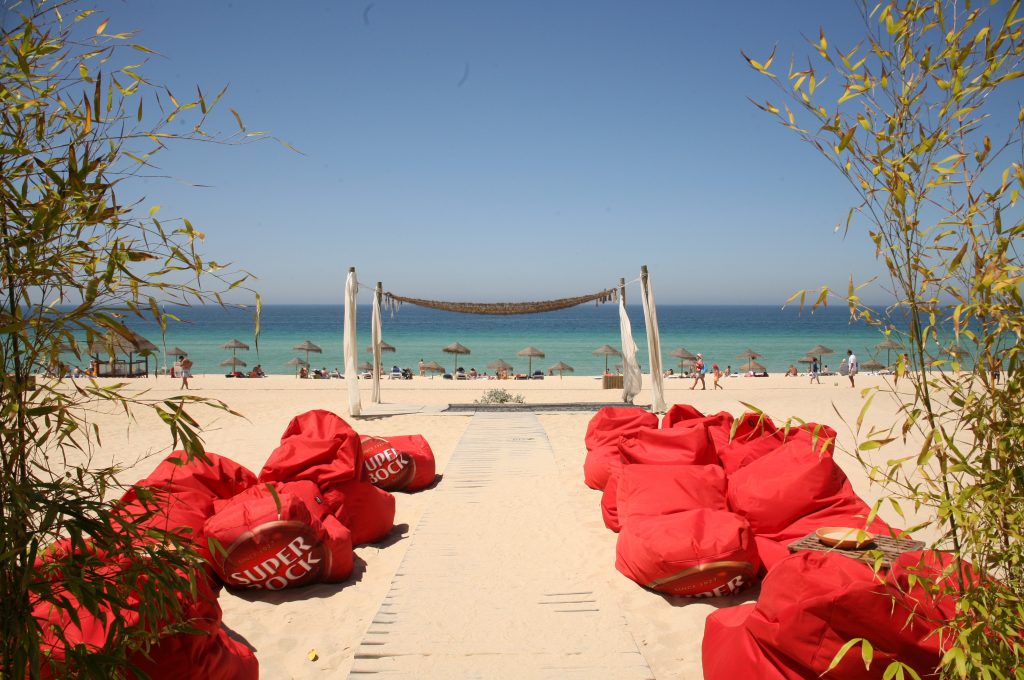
(851, 365)
(699, 370)
(815, 371)
(423, 368)
(186, 370)
(717, 372)
(901, 367)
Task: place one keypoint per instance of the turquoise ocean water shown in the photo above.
(719, 332)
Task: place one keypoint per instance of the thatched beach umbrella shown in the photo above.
(234, 345)
(307, 347)
(384, 347)
(530, 352)
(433, 367)
(752, 366)
(686, 364)
(818, 351)
(750, 354)
(366, 366)
(682, 353)
(561, 367)
(456, 349)
(888, 345)
(233, 362)
(805, 360)
(296, 362)
(872, 365)
(176, 352)
(500, 365)
(606, 351)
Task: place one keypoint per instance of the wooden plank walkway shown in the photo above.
(469, 601)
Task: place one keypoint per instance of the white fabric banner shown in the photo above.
(631, 380)
(355, 406)
(375, 338)
(653, 349)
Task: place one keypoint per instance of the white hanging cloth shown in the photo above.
(375, 338)
(355, 406)
(631, 378)
(653, 346)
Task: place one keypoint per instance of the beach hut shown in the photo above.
(307, 347)
(530, 352)
(606, 351)
(561, 367)
(112, 344)
(456, 349)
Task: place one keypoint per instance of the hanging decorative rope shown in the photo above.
(503, 308)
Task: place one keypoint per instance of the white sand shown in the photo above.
(331, 620)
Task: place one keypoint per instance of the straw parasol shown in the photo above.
(234, 345)
(682, 353)
(433, 367)
(752, 366)
(686, 364)
(500, 365)
(384, 347)
(872, 365)
(366, 366)
(456, 349)
(530, 352)
(606, 351)
(819, 351)
(176, 352)
(233, 361)
(296, 362)
(307, 347)
(750, 354)
(561, 367)
(888, 345)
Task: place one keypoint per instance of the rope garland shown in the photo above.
(393, 302)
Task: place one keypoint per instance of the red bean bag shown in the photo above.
(610, 504)
(654, 490)
(611, 422)
(676, 446)
(221, 477)
(810, 605)
(697, 553)
(170, 509)
(754, 437)
(212, 654)
(680, 413)
(368, 512)
(208, 654)
(936, 601)
(601, 462)
(789, 483)
(259, 541)
(398, 463)
(317, 446)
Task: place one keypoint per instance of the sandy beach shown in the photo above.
(317, 631)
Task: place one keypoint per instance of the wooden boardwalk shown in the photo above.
(468, 602)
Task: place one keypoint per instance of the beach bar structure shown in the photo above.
(632, 379)
(111, 345)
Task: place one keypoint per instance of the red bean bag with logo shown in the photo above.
(367, 511)
(398, 463)
(259, 541)
(610, 503)
(697, 553)
(810, 605)
(221, 477)
(675, 446)
(612, 422)
(654, 490)
(317, 446)
(601, 463)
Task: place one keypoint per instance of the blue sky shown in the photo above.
(513, 150)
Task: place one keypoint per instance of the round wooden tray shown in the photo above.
(845, 538)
